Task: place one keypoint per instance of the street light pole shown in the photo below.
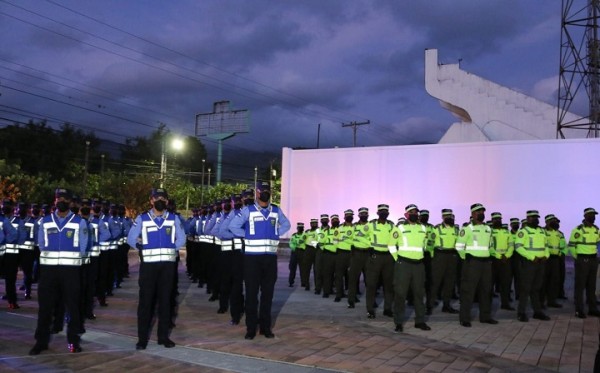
(202, 189)
(255, 176)
(163, 165)
(208, 183)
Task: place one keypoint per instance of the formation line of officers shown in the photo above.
(74, 249)
(415, 262)
(66, 240)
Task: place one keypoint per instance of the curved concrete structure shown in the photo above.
(488, 111)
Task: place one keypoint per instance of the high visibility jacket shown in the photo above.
(444, 237)
(361, 239)
(475, 240)
(502, 243)
(555, 240)
(61, 240)
(584, 240)
(379, 234)
(408, 241)
(158, 241)
(345, 237)
(531, 243)
(326, 239)
(311, 237)
(297, 241)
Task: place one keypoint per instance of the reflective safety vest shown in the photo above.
(379, 234)
(262, 230)
(408, 241)
(444, 237)
(345, 237)
(13, 248)
(584, 240)
(361, 239)
(502, 243)
(158, 241)
(297, 241)
(327, 239)
(531, 243)
(60, 241)
(311, 237)
(30, 239)
(474, 240)
(555, 240)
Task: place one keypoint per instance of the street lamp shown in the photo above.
(176, 144)
(208, 183)
(202, 189)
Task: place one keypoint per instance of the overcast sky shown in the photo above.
(124, 67)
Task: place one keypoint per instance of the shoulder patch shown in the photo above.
(395, 235)
(366, 228)
(432, 235)
(521, 234)
(335, 232)
(462, 232)
(577, 235)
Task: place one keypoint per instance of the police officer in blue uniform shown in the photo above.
(63, 240)
(261, 225)
(158, 235)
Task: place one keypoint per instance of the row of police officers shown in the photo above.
(415, 262)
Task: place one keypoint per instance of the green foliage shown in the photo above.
(36, 159)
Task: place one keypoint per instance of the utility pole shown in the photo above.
(354, 125)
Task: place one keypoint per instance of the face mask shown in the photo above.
(480, 217)
(35, 212)
(348, 219)
(97, 209)
(554, 225)
(249, 202)
(363, 218)
(62, 206)
(23, 214)
(424, 219)
(383, 215)
(533, 223)
(300, 230)
(105, 211)
(335, 223)
(85, 211)
(413, 218)
(591, 219)
(219, 208)
(227, 208)
(238, 206)
(7, 210)
(496, 224)
(75, 210)
(449, 221)
(264, 196)
(160, 205)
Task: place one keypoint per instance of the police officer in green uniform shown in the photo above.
(531, 246)
(515, 260)
(329, 246)
(557, 245)
(361, 247)
(310, 242)
(381, 263)
(443, 264)
(321, 238)
(583, 245)
(502, 250)
(473, 246)
(297, 253)
(424, 219)
(407, 244)
(342, 260)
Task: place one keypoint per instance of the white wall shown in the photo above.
(553, 176)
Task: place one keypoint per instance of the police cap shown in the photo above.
(533, 213)
(348, 212)
(477, 207)
(496, 215)
(589, 210)
(383, 207)
(447, 212)
(159, 192)
(411, 207)
(62, 192)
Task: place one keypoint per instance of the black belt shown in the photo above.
(402, 259)
(373, 251)
(477, 258)
(361, 250)
(587, 255)
(325, 251)
(445, 251)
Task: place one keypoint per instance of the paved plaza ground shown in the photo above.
(312, 334)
